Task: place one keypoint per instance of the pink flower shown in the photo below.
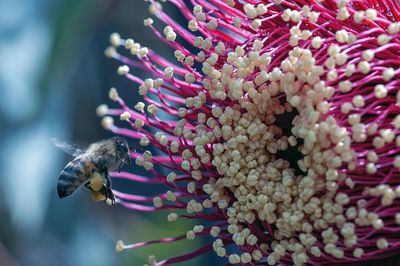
(333, 66)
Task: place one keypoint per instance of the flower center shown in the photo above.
(292, 154)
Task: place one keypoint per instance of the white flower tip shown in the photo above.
(107, 122)
(154, 8)
(129, 43)
(370, 14)
(140, 106)
(101, 110)
(157, 202)
(147, 156)
(192, 25)
(113, 94)
(234, 259)
(115, 39)
(394, 27)
(125, 116)
(148, 22)
(123, 70)
(135, 48)
(152, 260)
(190, 235)
(172, 217)
(171, 177)
(139, 123)
(169, 33)
(144, 141)
(143, 51)
(120, 246)
(148, 166)
(169, 72)
(110, 51)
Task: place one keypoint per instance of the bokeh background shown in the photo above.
(53, 75)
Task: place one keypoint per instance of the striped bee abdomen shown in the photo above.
(73, 175)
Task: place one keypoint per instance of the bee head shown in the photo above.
(122, 152)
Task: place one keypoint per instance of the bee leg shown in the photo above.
(105, 190)
(87, 185)
(110, 198)
(108, 192)
(108, 182)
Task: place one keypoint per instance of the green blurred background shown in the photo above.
(53, 75)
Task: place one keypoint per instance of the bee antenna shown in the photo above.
(134, 148)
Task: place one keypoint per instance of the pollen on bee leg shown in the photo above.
(96, 182)
(109, 202)
(97, 196)
(119, 246)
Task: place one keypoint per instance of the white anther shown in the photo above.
(102, 110)
(172, 217)
(107, 122)
(125, 116)
(171, 177)
(169, 72)
(147, 22)
(115, 39)
(157, 202)
(123, 70)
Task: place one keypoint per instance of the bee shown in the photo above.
(91, 166)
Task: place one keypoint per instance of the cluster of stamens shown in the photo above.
(220, 121)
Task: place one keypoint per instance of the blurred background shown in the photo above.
(53, 75)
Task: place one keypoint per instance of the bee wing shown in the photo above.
(72, 149)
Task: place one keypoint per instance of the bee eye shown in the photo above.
(122, 147)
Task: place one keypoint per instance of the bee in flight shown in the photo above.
(91, 166)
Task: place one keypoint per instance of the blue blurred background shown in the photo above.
(53, 75)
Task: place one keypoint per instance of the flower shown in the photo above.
(268, 82)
